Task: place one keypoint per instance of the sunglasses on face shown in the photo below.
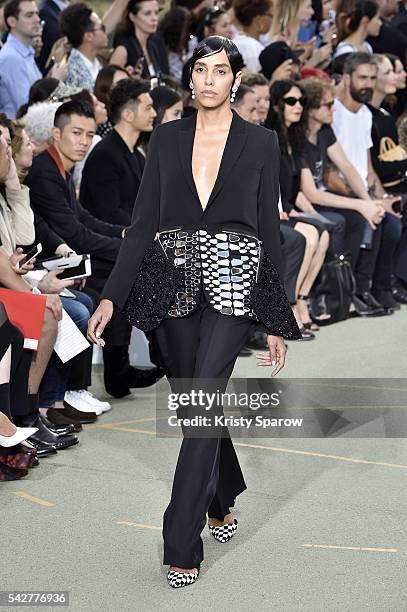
(329, 105)
(292, 100)
(101, 28)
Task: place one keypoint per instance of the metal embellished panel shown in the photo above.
(229, 268)
(227, 262)
(183, 249)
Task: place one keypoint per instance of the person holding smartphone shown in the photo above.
(137, 44)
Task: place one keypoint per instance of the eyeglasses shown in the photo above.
(292, 100)
(101, 29)
(329, 105)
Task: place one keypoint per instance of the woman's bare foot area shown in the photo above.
(7, 428)
(174, 568)
(229, 518)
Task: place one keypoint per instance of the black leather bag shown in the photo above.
(155, 288)
(333, 293)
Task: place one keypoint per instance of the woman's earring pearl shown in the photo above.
(191, 86)
(233, 94)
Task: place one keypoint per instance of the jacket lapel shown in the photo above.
(234, 145)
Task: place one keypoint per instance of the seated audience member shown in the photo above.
(49, 13)
(87, 35)
(397, 103)
(112, 173)
(352, 124)
(100, 117)
(175, 27)
(286, 117)
(17, 57)
(48, 89)
(167, 103)
(356, 25)
(53, 197)
(15, 457)
(136, 40)
(17, 226)
(245, 104)
(322, 149)
(279, 62)
(106, 80)
(390, 164)
(259, 84)
(74, 377)
(39, 124)
(390, 38)
(254, 19)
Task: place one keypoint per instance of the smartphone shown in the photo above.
(28, 257)
(139, 63)
(82, 270)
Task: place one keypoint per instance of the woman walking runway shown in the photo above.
(205, 237)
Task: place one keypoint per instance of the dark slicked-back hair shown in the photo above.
(73, 107)
(216, 44)
(125, 92)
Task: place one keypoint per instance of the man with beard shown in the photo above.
(352, 124)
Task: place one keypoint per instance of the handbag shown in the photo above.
(390, 152)
(335, 289)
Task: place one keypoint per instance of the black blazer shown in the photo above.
(49, 12)
(53, 197)
(111, 179)
(245, 195)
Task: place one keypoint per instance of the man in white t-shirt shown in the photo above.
(254, 20)
(352, 124)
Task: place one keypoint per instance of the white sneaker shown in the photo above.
(98, 406)
(77, 400)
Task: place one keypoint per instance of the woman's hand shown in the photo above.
(98, 322)
(276, 354)
(16, 257)
(372, 211)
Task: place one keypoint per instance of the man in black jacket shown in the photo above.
(112, 173)
(53, 197)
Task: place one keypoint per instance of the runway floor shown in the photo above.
(321, 526)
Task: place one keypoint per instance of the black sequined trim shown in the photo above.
(270, 304)
(155, 288)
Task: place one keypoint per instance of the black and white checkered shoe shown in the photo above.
(181, 579)
(225, 532)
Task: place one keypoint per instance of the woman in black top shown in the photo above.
(286, 116)
(209, 192)
(137, 42)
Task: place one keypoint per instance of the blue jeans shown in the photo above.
(53, 384)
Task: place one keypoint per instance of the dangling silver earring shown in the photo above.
(191, 87)
(233, 94)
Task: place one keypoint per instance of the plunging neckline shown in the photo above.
(220, 164)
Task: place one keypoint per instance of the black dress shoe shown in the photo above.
(306, 334)
(43, 448)
(386, 299)
(45, 435)
(60, 430)
(56, 418)
(398, 292)
(366, 306)
(137, 378)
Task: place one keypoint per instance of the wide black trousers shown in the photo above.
(208, 478)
